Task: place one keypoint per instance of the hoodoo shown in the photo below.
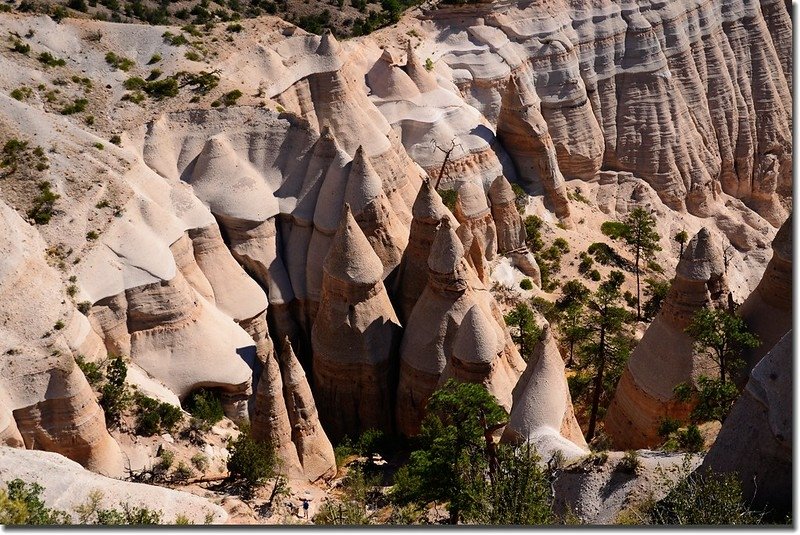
(455, 330)
(313, 447)
(755, 442)
(542, 412)
(428, 211)
(353, 338)
(665, 357)
(511, 229)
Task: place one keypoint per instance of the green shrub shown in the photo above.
(161, 89)
(90, 369)
(667, 426)
(192, 55)
(705, 499)
(343, 450)
(154, 416)
(533, 231)
(182, 472)
(234, 28)
(119, 62)
(205, 405)
(230, 98)
(20, 47)
(251, 462)
(49, 60)
(175, 40)
(155, 58)
(43, 204)
(116, 140)
(630, 463)
(59, 325)
(526, 284)
(428, 64)
(114, 397)
(21, 504)
(92, 235)
(21, 93)
(134, 83)
(200, 462)
(77, 106)
(84, 307)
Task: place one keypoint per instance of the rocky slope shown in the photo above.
(302, 213)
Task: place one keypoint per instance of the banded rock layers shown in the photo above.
(665, 356)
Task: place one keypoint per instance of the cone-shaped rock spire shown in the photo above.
(665, 356)
(353, 338)
(314, 450)
(542, 413)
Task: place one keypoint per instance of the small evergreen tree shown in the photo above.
(524, 330)
(607, 344)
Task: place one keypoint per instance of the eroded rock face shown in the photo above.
(665, 357)
(428, 211)
(755, 441)
(354, 338)
(511, 229)
(45, 401)
(456, 331)
(768, 310)
(313, 447)
(522, 130)
(542, 412)
(477, 231)
(681, 94)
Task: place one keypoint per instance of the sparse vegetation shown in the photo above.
(77, 106)
(49, 60)
(114, 396)
(119, 62)
(251, 463)
(524, 330)
(21, 93)
(155, 417)
(205, 406)
(43, 204)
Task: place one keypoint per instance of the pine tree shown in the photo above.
(606, 320)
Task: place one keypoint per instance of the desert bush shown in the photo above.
(21, 504)
(119, 62)
(43, 204)
(251, 462)
(205, 405)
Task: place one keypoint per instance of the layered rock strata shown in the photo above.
(455, 330)
(665, 356)
(46, 402)
(522, 130)
(354, 338)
